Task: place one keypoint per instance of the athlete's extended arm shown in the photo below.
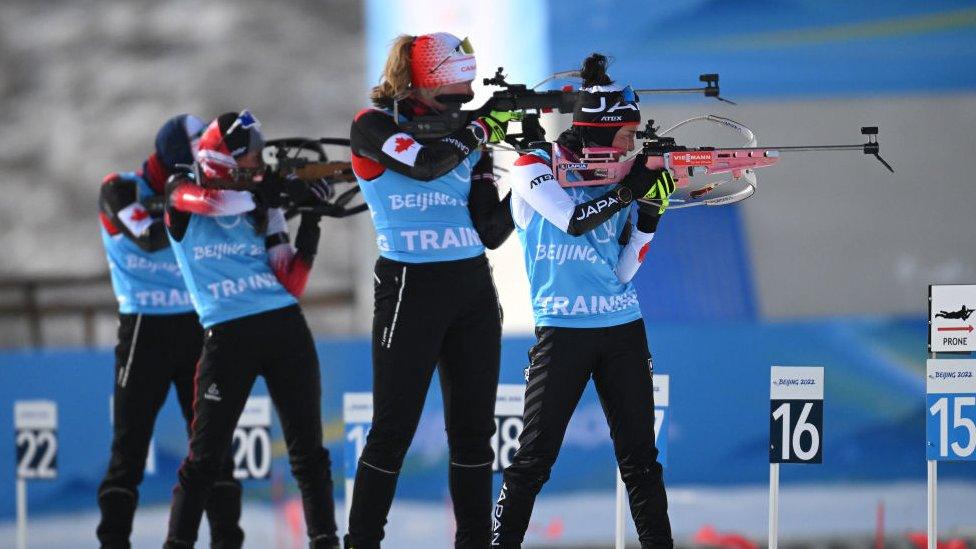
(533, 180)
(185, 198)
(191, 198)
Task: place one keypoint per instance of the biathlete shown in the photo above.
(435, 301)
(243, 277)
(588, 320)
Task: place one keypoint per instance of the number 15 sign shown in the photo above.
(950, 425)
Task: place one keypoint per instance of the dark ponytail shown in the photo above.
(594, 71)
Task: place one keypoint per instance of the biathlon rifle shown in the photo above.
(329, 186)
(529, 102)
(602, 165)
(310, 182)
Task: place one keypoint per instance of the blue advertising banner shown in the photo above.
(718, 402)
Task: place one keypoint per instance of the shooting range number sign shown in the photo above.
(251, 446)
(796, 415)
(509, 403)
(950, 425)
(36, 431)
(950, 318)
(357, 415)
(662, 417)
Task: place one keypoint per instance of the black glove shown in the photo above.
(647, 218)
(267, 193)
(640, 178)
(305, 193)
(307, 237)
(662, 187)
(321, 191)
(649, 214)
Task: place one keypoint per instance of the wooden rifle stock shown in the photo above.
(332, 171)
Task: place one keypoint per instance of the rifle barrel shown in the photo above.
(665, 91)
(800, 148)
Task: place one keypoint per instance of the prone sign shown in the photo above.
(951, 307)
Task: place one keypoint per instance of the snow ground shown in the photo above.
(582, 519)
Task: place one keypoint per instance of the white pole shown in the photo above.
(773, 505)
(621, 540)
(933, 500)
(350, 486)
(21, 514)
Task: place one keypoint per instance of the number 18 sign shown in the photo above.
(950, 425)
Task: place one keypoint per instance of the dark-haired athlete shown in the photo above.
(588, 320)
(244, 277)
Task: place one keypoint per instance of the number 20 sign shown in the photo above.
(950, 424)
(251, 445)
(796, 414)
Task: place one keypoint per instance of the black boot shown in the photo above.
(348, 544)
(224, 514)
(471, 494)
(118, 506)
(324, 542)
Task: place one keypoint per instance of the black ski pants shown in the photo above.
(278, 345)
(560, 365)
(425, 315)
(154, 352)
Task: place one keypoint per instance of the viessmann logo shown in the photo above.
(691, 157)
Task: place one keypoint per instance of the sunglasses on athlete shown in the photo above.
(464, 48)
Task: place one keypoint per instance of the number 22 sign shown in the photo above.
(36, 426)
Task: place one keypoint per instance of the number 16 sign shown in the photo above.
(796, 420)
(796, 396)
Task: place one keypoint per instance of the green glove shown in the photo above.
(506, 116)
(497, 124)
(661, 190)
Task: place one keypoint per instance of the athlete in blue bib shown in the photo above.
(435, 208)
(581, 253)
(159, 336)
(244, 277)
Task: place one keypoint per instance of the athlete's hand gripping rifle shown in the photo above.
(301, 173)
(532, 103)
(602, 166)
(311, 183)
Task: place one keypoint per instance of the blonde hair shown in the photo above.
(395, 81)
